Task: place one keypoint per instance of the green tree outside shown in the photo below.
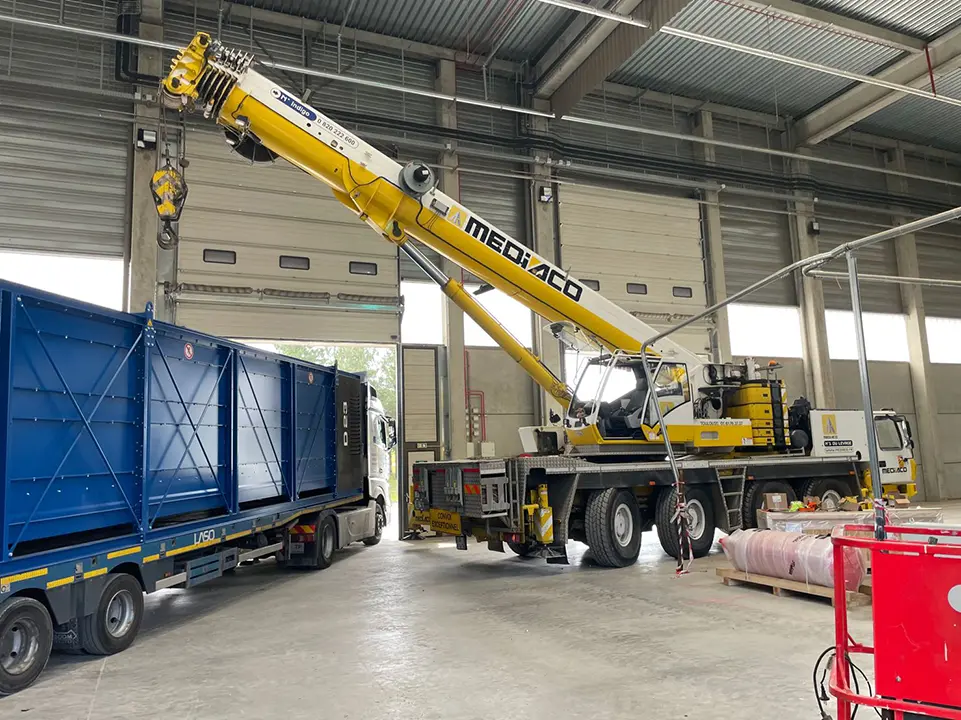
(379, 363)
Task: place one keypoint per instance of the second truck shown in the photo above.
(602, 479)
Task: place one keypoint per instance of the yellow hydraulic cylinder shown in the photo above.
(521, 355)
(544, 529)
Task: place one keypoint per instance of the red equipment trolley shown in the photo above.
(916, 583)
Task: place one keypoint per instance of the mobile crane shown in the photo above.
(729, 422)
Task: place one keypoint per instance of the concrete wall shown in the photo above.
(509, 395)
(947, 384)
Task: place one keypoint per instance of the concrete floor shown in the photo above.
(420, 630)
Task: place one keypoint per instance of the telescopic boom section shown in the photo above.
(400, 202)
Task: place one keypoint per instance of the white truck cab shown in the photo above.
(381, 438)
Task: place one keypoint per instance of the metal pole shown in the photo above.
(684, 537)
(876, 489)
(887, 279)
(815, 261)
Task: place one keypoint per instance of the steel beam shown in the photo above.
(616, 49)
(455, 425)
(832, 21)
(243, 14)
(863, 101)
(581, 38)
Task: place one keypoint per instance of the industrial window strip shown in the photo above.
(294, 262)
(220, 257)
(637, 289)
(683, 292)
(363, 268)
(592, 284)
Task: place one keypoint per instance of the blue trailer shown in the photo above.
(136, 455)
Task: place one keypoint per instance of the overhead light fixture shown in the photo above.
(590, 10)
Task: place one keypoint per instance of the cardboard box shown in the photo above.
(849, 504)
(776, 502)
(899, 500)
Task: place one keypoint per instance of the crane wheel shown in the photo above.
(700, 521)
(754, 498)
(523, 550)
(830, 491)
(613, 527)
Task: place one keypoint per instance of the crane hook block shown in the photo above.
(169, 194)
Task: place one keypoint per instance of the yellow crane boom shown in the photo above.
(263, 121)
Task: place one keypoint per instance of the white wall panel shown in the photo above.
(617, 238)
(262, 213)
(509, 397)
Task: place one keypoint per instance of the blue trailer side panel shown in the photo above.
(74, 422)
(115, 427)
(264, 424)
(316, 436)
(189, 452)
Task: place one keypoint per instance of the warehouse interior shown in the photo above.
(668, 154)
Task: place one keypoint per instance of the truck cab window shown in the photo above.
(889, 437)
(616, 391)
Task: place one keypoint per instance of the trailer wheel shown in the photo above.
(700, 521)
(326, 541)
(831, 491)
(380, 522)
(754, 499)
(26, 638)
(613, 524)
(116, 622)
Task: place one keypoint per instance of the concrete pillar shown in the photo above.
(818, 375)
(545, 243)
(714, 245)
(931, 460)
(456, 407)
(142, 269)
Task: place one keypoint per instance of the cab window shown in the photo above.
(889, 437)
(380, 434)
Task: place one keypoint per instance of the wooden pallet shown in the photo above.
(730, 576)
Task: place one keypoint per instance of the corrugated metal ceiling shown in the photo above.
(920, 120)
(685, 67)
(469, 25)
(925, 19)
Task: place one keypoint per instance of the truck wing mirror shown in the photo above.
(391, 433)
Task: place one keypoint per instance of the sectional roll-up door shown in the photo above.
(939, 256)
(877, 259)
(64, 175)
(268, 253)
(643, 252)
(756, 243)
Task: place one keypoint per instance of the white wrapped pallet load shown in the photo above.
(792, 556)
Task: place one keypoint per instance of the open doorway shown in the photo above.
(379, 363)
(97, 280)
